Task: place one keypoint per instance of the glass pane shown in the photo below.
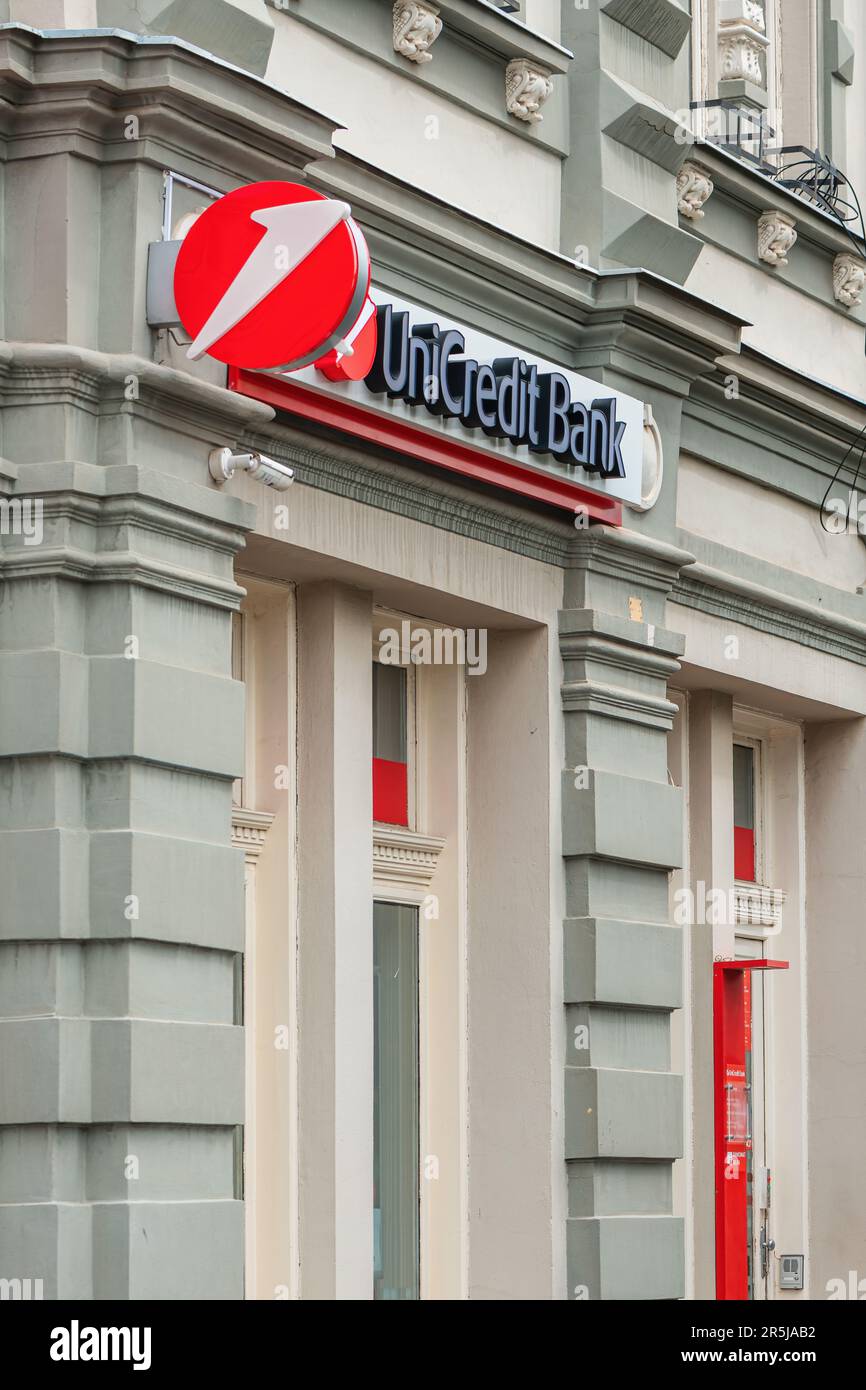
(744, 786)
(389, 712)
(396, 1137)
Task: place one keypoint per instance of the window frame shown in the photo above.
(389, 898)
(392, 619)
(745, 739)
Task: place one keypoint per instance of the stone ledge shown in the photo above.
(637, 964)
(115, 1072)
(25, 363)
(504, 33)
(622, 818)
(663, 23)
(623, 1114)
(626, 1257)
(119, 66)
(718, 594)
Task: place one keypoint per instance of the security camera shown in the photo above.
(223, 462)
(271, 473)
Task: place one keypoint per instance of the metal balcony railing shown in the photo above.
(745, 132)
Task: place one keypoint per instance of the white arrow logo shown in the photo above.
(293, 231)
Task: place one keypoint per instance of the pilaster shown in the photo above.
(622, 834)
(335, 940)
(121, 924)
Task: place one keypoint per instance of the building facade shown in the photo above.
(514, 1032)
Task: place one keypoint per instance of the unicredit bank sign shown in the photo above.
(508, 398)
(274, 280)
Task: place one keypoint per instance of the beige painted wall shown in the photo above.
(491, 998)
(786, 1010)
(835, 817)
(728, 508)
(787, 325)
(768, 672)
(511, 1200)
(544, 17)
(412, 132)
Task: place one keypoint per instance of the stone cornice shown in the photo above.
(592, 634)
(503, 33)
(187, 517)
(781, 429)
(405, 856)
(129, 494)
(625, 554)
(720, 594)
(611, 664)
(29, 370)
(76, 512)
(249, 830)
(754, 191)
(393, 486)
(655, 331)
(186, 100)
(780, 387)
(616, 702)
(118, 567)
(626, 655)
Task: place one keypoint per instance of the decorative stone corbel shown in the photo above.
(743, 42)
(527, 87)
(777, 233)
(694, 187)
(417, 26)
(249, 829)
(849, 278)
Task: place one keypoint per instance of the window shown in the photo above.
(390, 744)
(745, 839)
(735, 77)
(396, 1113)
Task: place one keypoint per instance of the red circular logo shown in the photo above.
(271, 275)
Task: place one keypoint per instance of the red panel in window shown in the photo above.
(390, 792)
(744, 853)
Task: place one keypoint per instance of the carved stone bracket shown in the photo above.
(527, 87)
(777, 233)
(849, 278)
(417, 26)
(694, 187)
